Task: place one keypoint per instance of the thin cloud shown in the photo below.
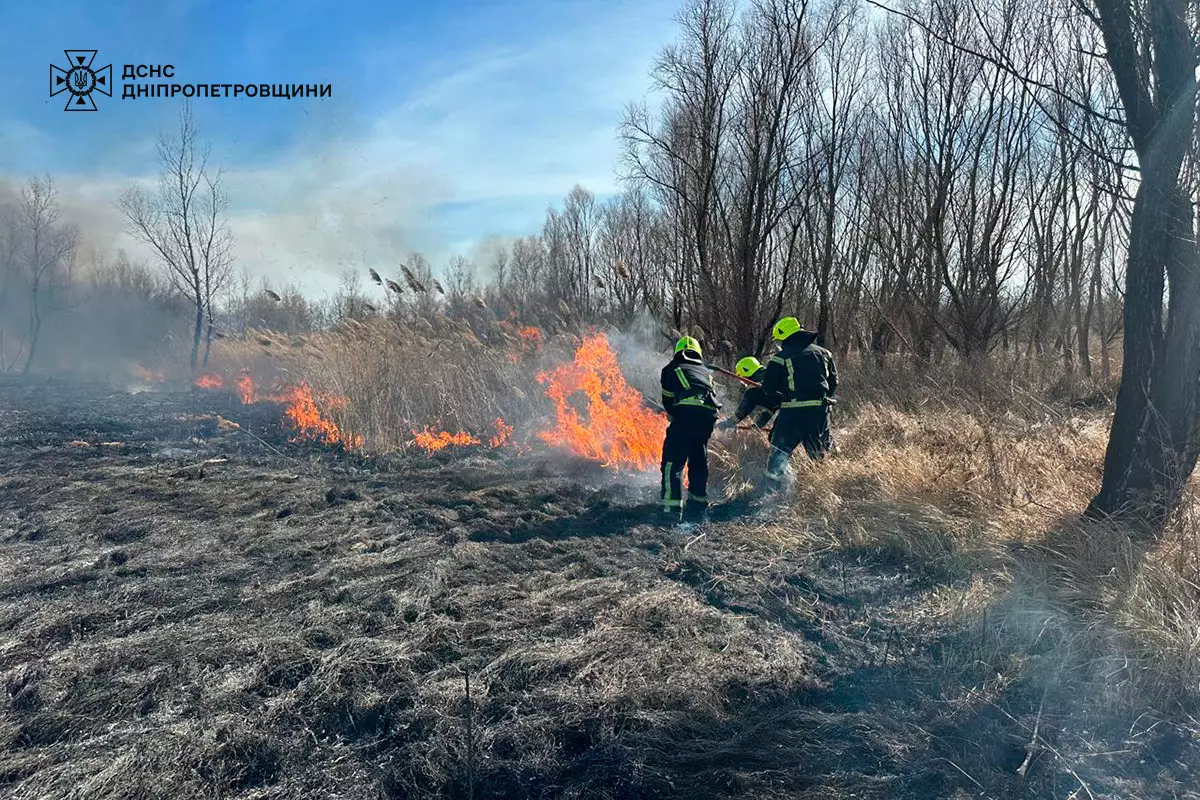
(480, 149)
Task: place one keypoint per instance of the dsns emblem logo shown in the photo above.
(80, 80)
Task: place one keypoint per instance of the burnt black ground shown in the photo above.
(286, 621)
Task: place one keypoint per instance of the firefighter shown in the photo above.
(800, 381)
(755, 403)
(690, 400)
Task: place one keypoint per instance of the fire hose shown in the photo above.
(732, 374)
(829, 401)
(747, 381)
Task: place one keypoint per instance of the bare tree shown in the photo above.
(259, 306)
(1154, 443)
(730, 159)
(349, 302)
(678, 154)
(460, 283)
(627, 260)
(836, 119)
(527, 269)
(183, 219)
(499, 266)
(44, 250)
(579, 218)
(10, 242)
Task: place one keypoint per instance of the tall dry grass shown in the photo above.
(1084, 636)
(399, 378)
(980, 490)
(974, 474)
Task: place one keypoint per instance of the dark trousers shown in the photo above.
(686, 444)
(796, 427)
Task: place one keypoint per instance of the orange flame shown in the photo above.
(431, 441)
(309, 422)
(531, 337)
(210, 381)
(503, 434)
(245, 389)
(148, 376)
(618, 430)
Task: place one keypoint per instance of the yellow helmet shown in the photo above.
(747, 366)
(688, 343)
(786, 327)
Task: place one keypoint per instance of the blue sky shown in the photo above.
(449, 122)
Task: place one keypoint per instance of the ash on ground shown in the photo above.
(193, 606)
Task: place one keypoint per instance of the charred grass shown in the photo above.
(191, 611)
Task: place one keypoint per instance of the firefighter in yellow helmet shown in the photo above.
(755, 403)
(800, 381)
(690, 400)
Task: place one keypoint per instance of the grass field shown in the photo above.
(194, 608)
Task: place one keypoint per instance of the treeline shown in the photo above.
(66, 306)
(921, 182)
(63, 305)
(881, 175)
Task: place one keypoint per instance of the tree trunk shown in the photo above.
(35, 331)
(1153, 442)
(196, 334)
(1084, 322)
(1096, 308)
(207, 343)
(825, 333)
(1170, 443)
(1150, 246)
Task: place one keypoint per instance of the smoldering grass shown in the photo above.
(621, 665)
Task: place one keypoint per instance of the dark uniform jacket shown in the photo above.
(800, 375)
(754, 399)
(688, 384)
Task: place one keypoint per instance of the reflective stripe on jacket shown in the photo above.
(687, 383)
(801, 375)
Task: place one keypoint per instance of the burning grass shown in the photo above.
(433, 441)
(582, 402)
(397, 379)
(146, 375)
(307, 413)
(918, 618)
(614, 426)
(245, 389)
(309, 419)
(503, 434)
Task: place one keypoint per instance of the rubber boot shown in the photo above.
(697, 510)
(777, 465)
(670, 516)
